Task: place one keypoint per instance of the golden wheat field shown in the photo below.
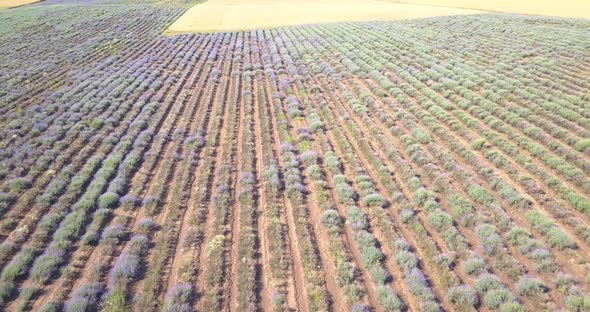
(231, 15)
(565, 8)
(4, 4)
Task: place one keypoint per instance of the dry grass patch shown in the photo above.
(5, 4)
(232, 15)
(564, 8)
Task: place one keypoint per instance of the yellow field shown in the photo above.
(4, 4)
(231, 15)
(564, 8)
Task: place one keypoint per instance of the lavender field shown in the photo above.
(432, 164)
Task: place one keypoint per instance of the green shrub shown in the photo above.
(517, 235)
(461, 208)
(108, 200)
(463, 296)
(388, 299)
(20, 184)
(146, 226)
(414, 182)
(578, 303)
(309, 157)
(421, 195)
(115, 301)
(29, 292)
(421, 135)
(406, 260)
(487, 282)
(340, 179)
(7, 291)
(364, 238)
(474, 266)
(7, 249)
(374, 200)
(489, 238)
(406, 215)
(332, 162)
(512, 307)
(379, 274)
(331, 219)
(565, 282)
(480, 195)
(583, 145)
(529, 287)
(113, 233)
(429, 306)
(440, 219)
(356, 218)
(345, 273)
(371, 255)
(539, 221)
(401, 245)
(5, 199)
(315, 172)
(354, 292)
(478, 143)
(362, 178)
(316, 125)
(52, 307)
(557, 238)
(495, 298)
(26, 295)
(431, 205)
(18, 266)
(345, 191)
(278, 299)
(366, 187)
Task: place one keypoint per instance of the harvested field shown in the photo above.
(433, 164)
(563, 8)
(233, 15)
(4, 4)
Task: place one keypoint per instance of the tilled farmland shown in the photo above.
(438, 164)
